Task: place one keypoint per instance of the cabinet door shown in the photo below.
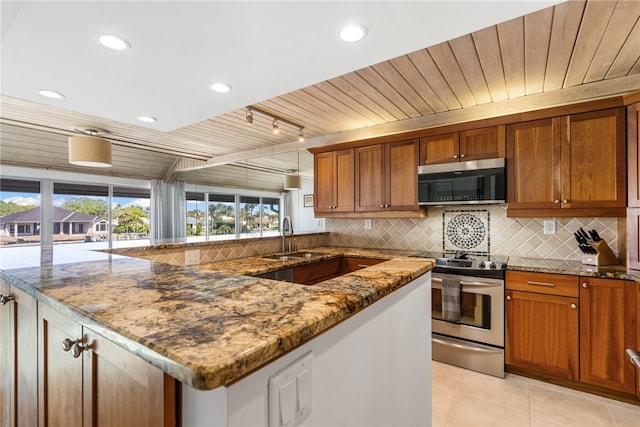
(334, 181)
(59, 373)
(485, 143)
(121, 389)
(401, 175)
(594, 160)
(542, 333)
(370, 178)
(18, 358)
(633, 154)
(533, 165)
(608, 310)
(439, 149)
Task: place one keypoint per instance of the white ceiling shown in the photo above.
(262, 49)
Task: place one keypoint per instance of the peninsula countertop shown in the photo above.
(207, 325)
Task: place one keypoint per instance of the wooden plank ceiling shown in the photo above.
(593, 45)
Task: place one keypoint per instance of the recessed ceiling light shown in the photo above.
(220, 87)
(113, 42)
(353, 33)
(147, 119)
(50, 94)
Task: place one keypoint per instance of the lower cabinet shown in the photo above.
(55, 372)
(542, 323)
(573, 327)
(18, 358)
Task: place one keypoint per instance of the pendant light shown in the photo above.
(293, 182)
(89, 149)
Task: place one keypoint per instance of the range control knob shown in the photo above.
(493, 266)
(481, 265)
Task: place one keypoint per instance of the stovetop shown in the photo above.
(462, 262)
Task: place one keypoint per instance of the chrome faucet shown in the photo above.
(287, 230)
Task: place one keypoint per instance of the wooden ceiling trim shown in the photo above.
(349, 85)
(346, 104)
(511, 39)
(594, 22)
(464, 50)
(624, 17)
(628, 57)
(487, 47)
(448, 65)
(536, 48)
(427, 68)
(310, 108)
(406, 94)
(564, 32)
(383, 94)
(407, 68)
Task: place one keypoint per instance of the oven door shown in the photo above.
(482, 304)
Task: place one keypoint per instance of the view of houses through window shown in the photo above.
(81, 214)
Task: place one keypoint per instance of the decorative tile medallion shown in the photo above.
(466, 231)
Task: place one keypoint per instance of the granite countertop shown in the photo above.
(207, 325)
(572, 267)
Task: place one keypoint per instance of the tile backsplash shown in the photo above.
(521, 237)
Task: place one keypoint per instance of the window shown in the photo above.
(196, 212)
(249, 216)
(222, 215)
(270, 216)
(19, 212)
(77, 210)
(130, 216)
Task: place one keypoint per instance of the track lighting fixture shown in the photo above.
(275, 123)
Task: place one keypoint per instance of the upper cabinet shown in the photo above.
(386, 177)
(567, 166)
(334, 181)
(475, 144)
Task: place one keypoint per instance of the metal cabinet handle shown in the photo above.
(530, 282)
(455, 156)
(565, 201)
(508, 297)
(557, 201)
(574, 306)
(68, 343)
(585, 285)
(462, 156)
(78, 349)
(5, 299)
(75, 345)
(634, 357)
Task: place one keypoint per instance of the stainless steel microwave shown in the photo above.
(462, 183)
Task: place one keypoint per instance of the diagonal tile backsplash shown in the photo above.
(521, 237)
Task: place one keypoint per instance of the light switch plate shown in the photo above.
(367, 224)
(192, 257)
(289, 395)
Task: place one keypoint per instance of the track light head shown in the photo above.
(301, 135)
(249, 116)
(276, 127)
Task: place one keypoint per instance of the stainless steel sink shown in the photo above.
(293, 256)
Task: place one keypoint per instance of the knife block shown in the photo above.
(604, 255)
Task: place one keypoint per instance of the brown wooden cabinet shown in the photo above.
(386, 177)
(310, 274)
(18, 358)
(103, 385)
(542, 323)
(334, 181)
(608, 326)
(475, 144)
(577, 163)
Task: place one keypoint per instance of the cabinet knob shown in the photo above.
(565, 201)
(573, 306)
(557, 202)
(5, 299)
(462, 156)
(508, 297)
(68, 343)
(78, 349)
(585, 285)
(455, 156)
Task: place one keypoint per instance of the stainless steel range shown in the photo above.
(467, 312)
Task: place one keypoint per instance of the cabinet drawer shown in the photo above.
(543, 283)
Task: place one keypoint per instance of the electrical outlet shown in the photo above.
(549, 226)
(192, 257)
(319, 223)
(367, 224)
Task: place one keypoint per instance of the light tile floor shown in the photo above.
(466, 398)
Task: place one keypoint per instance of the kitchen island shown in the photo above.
(214, 330)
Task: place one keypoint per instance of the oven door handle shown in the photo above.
(465, 347)
(474, 283)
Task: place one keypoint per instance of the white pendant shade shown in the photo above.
(90, 151)
(292, 182)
